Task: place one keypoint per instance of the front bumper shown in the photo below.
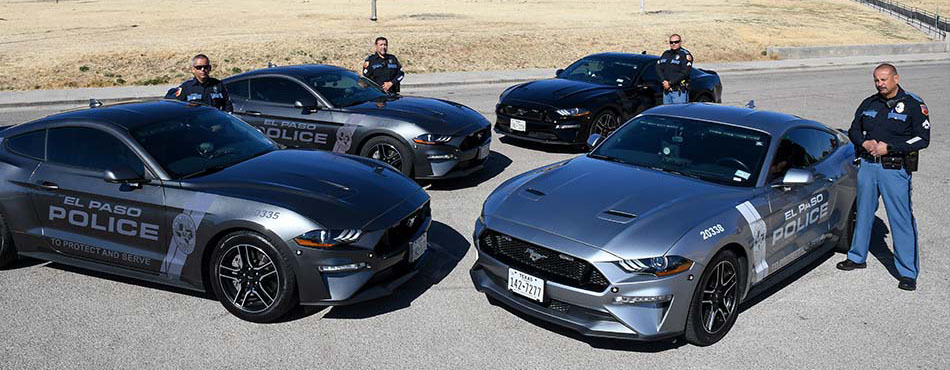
(589, 312)
(385, 269)
(451, 160)
(563, 132)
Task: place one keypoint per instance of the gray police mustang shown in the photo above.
(188, 196)
(668, 224)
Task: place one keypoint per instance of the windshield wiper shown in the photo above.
(675, 172)
(206, 171)
(608, 158)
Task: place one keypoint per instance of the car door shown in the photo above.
(799, 213)
(270, 108)
(649, 90)
(86, 217)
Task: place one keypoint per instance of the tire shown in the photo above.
(7, 249)
(253, 279)
(847, 233)
(386, 149)
(717, 295)
(703, 98)
(604, 123)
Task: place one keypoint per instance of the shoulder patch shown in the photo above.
(178, 92)
(689, 57)
(924, 110)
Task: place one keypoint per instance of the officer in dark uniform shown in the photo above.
(383, 68)
(202, 88)
(888, 130)
(673, 71)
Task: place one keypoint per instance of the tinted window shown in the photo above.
(90, 148)
(601, 71)
(239, 89)
(31, 144)
(801, 148)
(280, 91)
(201, 142)
(345, 88)
(709, 151)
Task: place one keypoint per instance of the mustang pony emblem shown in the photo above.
(534, 255)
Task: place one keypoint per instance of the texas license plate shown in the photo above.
(418, 247)
(484, 150)
(519, 125)
(526, 285)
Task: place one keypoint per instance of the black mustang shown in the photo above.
(593, 95)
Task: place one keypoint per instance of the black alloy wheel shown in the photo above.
(391, 151)
(715, 304)
(847, 232)
(252, 278)
(7, 250)
(605, 123)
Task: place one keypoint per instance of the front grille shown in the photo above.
(397, 236)
(531, 114)
(542, 262)
(474, 140)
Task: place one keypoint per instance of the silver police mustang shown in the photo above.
(668, 224)
(192, 197)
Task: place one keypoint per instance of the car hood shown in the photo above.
(629, 211)
(334, 190)
(556, 93)
(432, 115)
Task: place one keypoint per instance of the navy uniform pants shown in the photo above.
(874, 181)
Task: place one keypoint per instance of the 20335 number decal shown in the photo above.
(267, 214)
(712, 231)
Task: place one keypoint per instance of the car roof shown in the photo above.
(128, 115)
(774, 123)
(624, 57)
(301, 71)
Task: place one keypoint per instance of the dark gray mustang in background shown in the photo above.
(334, 109)
(186, 195)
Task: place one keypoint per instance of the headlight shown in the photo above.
(328, 238)
(659, 266)
(432, 139)
(573, 112)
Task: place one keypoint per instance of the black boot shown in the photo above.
(907, 283)
(847, 265)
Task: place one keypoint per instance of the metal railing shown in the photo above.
(932, 23)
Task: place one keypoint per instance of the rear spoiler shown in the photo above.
(708, 71)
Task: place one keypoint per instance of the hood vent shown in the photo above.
(533, 194)
(614, 215)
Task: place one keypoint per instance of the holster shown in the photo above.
(910, 161)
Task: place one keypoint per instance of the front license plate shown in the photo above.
(418, 247)
(484, 151)
(518, 125)
(526, 285)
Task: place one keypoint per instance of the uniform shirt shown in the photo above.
(382, 69)
(902, 122)
(674, 66)
(212, 93)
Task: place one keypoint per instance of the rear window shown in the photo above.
(30, 144)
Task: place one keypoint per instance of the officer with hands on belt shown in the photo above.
(673, 71)
(384, 69)
(202, 88)
(888, 130)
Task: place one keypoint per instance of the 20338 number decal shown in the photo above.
(267, 214)
(712, 231)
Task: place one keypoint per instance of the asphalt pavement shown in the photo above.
(55, 316)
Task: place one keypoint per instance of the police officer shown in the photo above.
(383, 68)
(202, 88)
(888, 130)
(673, 71)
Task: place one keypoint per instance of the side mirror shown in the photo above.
(594, 140)
(124, 175)
(309, 109)
(559, 71)
(797, 176)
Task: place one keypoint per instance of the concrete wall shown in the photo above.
(855, 50)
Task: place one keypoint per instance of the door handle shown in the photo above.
(48, 185)
(253, 113)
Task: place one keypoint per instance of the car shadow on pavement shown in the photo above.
(549, 148)
(878, 247)
(130, 281)
(23, 262)
(595, 342)
(495, 164)
(446, 248)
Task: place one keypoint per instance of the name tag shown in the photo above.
(675, 62)
(870, 113)
(217, 96)
(376, 66)
(892, 115)
(393, 65)
(662, 60)
(194, 97)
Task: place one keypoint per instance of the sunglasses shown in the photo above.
(206, 67)
(674, 42)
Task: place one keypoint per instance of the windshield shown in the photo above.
(709, 151)
(199, 143)
(345, 88)
(604, 72)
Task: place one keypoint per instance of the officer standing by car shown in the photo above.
(202, 88)
(888, 130)
(383, 68)
(673, 71)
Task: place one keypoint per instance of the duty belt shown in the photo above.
(890, 161)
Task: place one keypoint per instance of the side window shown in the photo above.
(280, 91)
(239, 89)
(30, 144)
(801, 148)
(649, 73)
(90, 148)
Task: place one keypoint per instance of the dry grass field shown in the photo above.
(50, 44)
(941, 7)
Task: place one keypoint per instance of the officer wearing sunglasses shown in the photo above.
(673, 71)
(203, 88)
